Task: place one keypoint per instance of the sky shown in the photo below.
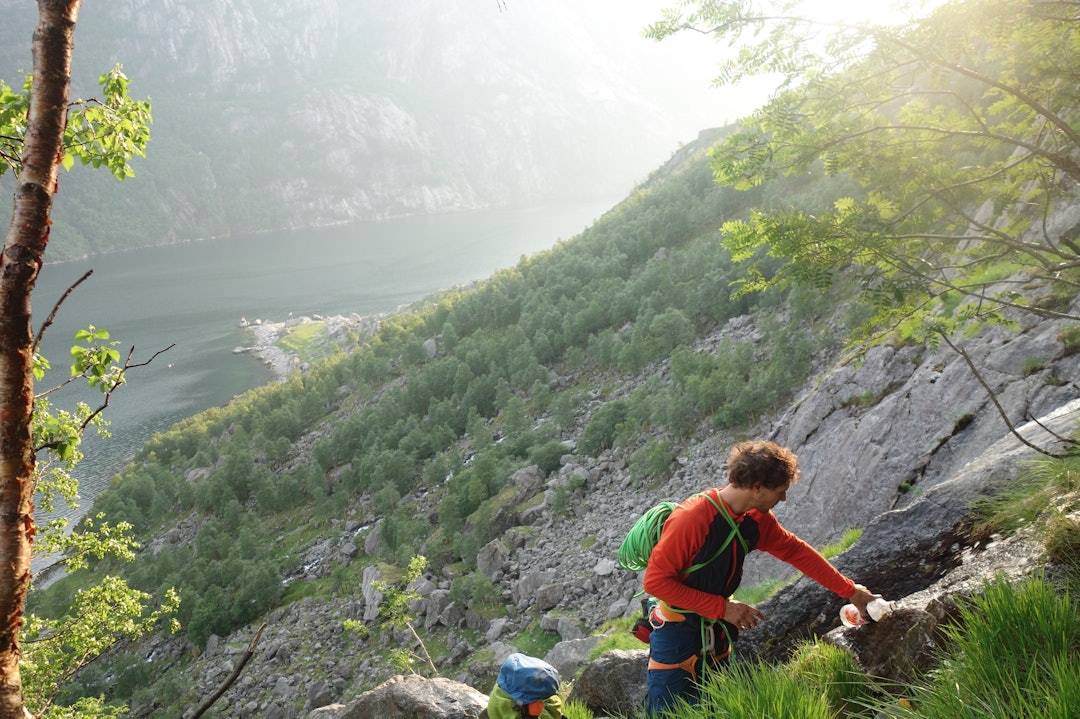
(688, 62)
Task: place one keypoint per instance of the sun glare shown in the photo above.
(874, 11)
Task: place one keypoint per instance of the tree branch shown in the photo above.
(56, 308)
(993, 398)
(1058, 122)
(119, 380)
(248, 654)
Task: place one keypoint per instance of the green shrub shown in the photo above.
(1033, 365)
(548, 456)
(653, 460)
(599, 434)
(474, 591)
(1070, 337)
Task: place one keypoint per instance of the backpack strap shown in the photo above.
(708, 625)
(723, 511)
(734, 533)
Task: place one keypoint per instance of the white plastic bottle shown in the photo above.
(878, 608)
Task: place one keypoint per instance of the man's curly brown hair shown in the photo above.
(761, 462)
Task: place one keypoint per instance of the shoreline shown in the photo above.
(333, 335)
(265, 334)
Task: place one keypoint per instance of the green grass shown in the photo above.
(759, 691)
(535, 641)
(1050, 488)
(834, 674)
(1012, 654)
(761, 591)
(1062, 542)
(299, 340)
(849, 537)
(616, 635)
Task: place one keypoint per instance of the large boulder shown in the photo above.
(492, 557)
(613, 684)
(568, 656)
(372, 595)
(412, 697)
(899, 649)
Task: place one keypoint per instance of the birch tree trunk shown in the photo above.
(24, 247)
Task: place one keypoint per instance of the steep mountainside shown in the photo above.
(307, 112)
(514, 432)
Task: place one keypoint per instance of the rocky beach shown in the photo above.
(333, 333)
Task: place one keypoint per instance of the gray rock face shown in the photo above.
(927, 418)
(907, 553)
(614, 683)
(414, 697)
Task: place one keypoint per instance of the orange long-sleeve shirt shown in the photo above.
(694, 532)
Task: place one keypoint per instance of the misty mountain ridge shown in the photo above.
(303, 113)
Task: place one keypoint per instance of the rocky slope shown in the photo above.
(898, 443)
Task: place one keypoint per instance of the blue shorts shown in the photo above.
(678, 645)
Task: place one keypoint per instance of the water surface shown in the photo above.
(192, 296)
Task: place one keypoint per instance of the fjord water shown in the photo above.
(193, 296)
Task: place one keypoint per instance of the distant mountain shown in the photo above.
(298, 113)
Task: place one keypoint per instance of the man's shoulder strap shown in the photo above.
(713, 495)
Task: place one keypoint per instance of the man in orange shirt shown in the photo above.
(695, 621)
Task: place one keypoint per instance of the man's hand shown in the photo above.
(742, 615)
(861, 597)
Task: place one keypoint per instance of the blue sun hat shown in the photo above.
(528, 679)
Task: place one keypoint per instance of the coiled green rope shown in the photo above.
(638, 544)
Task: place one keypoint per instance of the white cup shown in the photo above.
(850, 617)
